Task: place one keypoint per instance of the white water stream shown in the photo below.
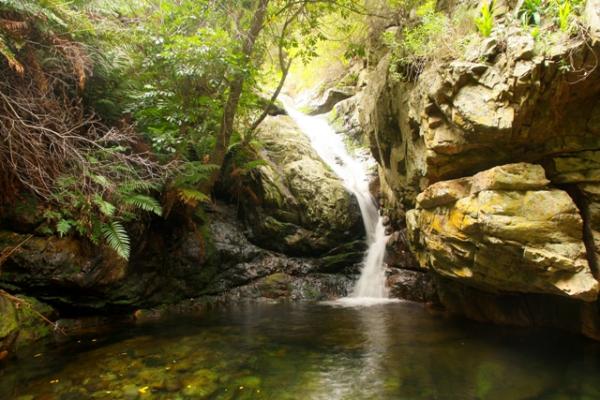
(371, 286)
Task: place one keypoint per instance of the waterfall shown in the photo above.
(353, 171)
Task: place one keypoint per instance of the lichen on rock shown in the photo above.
(505, 230)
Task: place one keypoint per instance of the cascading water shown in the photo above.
(371, 287)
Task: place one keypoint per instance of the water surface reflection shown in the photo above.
(386, 351)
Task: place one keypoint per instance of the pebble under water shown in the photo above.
(312, 351)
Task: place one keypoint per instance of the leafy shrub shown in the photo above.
(51, 143)
(531, 12)
(98, 207)
(431, 38)
(418, 42)
(485, 21)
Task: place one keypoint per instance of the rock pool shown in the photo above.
(312, 351)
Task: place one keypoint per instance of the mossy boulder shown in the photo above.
(299, 206)
(22, 323)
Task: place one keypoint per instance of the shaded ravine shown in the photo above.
(371, 286)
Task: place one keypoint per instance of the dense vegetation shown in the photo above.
(114, 109)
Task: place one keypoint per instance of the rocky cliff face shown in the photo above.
(491, 161)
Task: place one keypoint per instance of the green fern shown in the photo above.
(485, 21)
(117, 238)
(191, 196)
(45, 9)
(9, 56)
(64, 226)
(136, 185)
(194, 172)
(105, 207)
(250, 165)
(143, 202)
(100, 180)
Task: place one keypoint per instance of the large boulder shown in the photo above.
(504, 230)
(298, 205)
(511, 236)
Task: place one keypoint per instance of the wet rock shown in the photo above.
(53, 269)
(314, 287)
(411, 285)
(344, 119)
(210, 259)
(398, 254)
(343, 258)
(24, 216)
(329, 99)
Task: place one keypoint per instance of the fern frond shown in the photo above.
(194, 172)
(143, 202)
(105, 207)
(63, 226)
(44, 9)
(117, 238)
(254, 164)
(192, 197)
(9, 56)
(131, 186)
(100, 180)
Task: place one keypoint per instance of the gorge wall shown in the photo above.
(490, 173)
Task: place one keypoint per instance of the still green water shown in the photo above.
(259, 351)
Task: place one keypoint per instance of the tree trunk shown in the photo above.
(235, 91)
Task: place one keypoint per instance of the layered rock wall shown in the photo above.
(491, 161)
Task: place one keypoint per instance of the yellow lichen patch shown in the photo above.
(514, 240)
